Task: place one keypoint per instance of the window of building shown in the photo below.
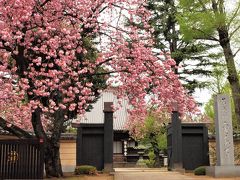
(117, 147)
(131, 144)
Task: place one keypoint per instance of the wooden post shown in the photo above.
(176, 142)
(108, 136)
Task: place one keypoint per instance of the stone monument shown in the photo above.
(224, 140)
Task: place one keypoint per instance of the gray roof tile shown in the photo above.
(96, 116)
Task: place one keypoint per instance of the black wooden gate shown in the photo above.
(194, 146)
(21, 159)
(95, 142)
(192, 151)
(93, 150)
(90, 145)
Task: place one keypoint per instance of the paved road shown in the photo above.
(121, 174)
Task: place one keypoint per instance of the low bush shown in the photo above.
(200, 171)
(151, 161)
(85, 169)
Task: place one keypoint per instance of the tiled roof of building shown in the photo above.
(3, 132)
(96, 115)
(64, 136)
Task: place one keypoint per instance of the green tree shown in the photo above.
(218, 79)
(208, 20)
(220, 85)
(194, 56)
(154, 135)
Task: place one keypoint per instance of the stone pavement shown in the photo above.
(158, 174)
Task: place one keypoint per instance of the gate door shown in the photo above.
(21, 159)
(192, 151)
(93, 150)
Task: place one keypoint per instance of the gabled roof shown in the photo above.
(96, 115)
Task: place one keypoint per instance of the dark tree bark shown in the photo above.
(15, 130)
(52, 160)
(157, 158)
(51, 143)
(232, 72)
(156, 149)
(224, 39)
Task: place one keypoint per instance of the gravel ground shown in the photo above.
(71, 176)
(143, 176)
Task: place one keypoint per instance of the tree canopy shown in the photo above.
(51, 61)
(211, 20)
(194, 58)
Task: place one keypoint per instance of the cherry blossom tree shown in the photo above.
(52, 70)
(11, 101)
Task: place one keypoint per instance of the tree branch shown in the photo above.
(234, 15)
(233, 32)
(207, 37)
(37, 124)
(14, 129)
(45, 2)
(236, 52)
(203, 5)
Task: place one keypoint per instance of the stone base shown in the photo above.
(180, 170)
(223, 171)
(141, 164)
(178, 167)
(108, 167)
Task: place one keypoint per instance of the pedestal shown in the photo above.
(141, 163)
(223, 171)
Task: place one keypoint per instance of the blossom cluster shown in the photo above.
(43, 48)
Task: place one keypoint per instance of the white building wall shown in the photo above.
(96, 115)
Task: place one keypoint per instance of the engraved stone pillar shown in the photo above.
(224, 140)
(224, 131)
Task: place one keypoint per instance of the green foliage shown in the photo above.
(198, 20)
(154, 134)
(154, 137)
(141, 163)
(194, 56)
(200, 171)
(195, 21)
(220, 85)
(70, 129)
(151, 161)
(219, 80)
(215, 22)
(209, 111)
(162, 141)
(85, 169)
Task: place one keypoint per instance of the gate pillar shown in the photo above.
(108, 136)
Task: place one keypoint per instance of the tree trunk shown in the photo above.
(53, 165)
(157, 159)
(232, 72)
(155, 151)
(52, 160)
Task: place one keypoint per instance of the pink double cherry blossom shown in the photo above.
(41, 41)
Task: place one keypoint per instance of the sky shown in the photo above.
(202, 96)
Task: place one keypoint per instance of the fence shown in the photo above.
(21, 159)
